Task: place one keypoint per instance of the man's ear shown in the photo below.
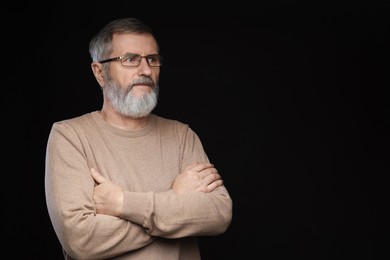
(97, 69)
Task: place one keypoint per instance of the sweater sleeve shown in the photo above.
(166, 214)
(69, 197)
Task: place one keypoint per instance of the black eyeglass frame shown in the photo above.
(127, 55)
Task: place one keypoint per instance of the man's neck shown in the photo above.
(123, 122)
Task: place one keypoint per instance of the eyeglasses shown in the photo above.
(133, 60)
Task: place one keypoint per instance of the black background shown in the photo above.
(290, 99)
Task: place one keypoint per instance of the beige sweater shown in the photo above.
(155, 223)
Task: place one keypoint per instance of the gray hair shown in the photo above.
(100, 46)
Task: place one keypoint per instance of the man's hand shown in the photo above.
(107, 196)
(202, 177)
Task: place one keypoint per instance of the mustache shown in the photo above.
(144, 81)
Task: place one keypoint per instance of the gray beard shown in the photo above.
(128, 105)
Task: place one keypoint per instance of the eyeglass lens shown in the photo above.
(133, 60)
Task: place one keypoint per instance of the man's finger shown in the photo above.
(191, 165)
(97, 176)
(201, 166)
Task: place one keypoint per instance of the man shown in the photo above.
(122, 182)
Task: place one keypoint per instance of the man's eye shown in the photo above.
(130, 59)
(153, 58)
